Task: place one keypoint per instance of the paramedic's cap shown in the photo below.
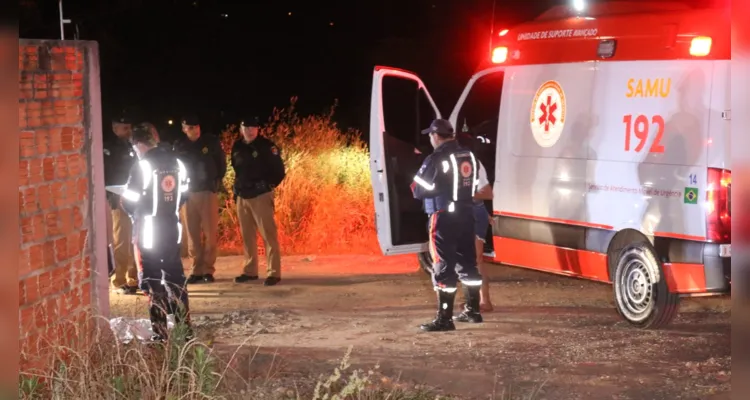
(441, 127)
(191, 120)
(145, 133)
(250, 121)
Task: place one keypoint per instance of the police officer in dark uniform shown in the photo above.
(258, 169)
(119, 157)
(155, 190)
(446, 183)
(207, 164)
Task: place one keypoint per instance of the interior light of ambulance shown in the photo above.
(579, 5)
(499, 55)
(700, 46)
(718, 206)
(502, 32)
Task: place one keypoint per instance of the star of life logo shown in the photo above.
(548, 114)
(466, 169)
(168, 184)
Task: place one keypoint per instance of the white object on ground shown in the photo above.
(127, 329)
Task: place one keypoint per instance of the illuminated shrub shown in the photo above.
(325, 203)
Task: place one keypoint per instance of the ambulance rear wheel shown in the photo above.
(641, 293)
(425, 262)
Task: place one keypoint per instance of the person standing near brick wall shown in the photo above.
(258, 169)
(206, 165)
(118, 159)
(156, 188)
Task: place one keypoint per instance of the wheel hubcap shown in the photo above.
(635, 293)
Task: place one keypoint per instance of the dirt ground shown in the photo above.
(559, 333)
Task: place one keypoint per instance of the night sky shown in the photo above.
(218, 58)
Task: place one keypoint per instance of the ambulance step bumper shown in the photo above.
(717, 262)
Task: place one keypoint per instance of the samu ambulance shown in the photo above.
(610, 128)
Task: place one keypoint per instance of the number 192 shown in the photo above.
(640, 128)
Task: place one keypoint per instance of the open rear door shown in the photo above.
(400, 108)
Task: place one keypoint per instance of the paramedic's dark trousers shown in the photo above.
(162, 278)
(452, 249)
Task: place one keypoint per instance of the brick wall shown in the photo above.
(57, 187)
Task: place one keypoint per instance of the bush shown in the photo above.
(325, 204)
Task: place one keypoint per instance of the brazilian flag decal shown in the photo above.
(691, 195)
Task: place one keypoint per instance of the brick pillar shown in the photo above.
(59, 182)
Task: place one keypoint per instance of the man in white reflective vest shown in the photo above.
(446, 183)
(156, 188)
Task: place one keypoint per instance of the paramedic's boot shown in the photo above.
(444, 321)
(471, 308)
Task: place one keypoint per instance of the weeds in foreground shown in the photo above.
(104, 368)
(325, 204)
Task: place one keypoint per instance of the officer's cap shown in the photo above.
(250, 121)
(191, 120)
(439, 126)
(123, 117)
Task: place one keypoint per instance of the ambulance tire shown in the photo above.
(641, 293)
(425, 262)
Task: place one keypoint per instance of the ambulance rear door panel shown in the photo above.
(719, 149)
(648, 155)
(400, 107)
(542, 144)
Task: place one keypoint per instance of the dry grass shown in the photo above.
(325, 204)
(180, 369)
(106, 369)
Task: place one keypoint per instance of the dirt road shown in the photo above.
(560, 332)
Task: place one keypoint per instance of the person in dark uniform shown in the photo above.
(446, 183)
(156, 188)
(118, 158)
(207, 165)
(259, 169)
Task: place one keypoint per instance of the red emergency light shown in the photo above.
(700, 46)
(499, 55)
(718, 199)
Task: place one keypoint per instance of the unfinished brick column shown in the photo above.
(62, 270)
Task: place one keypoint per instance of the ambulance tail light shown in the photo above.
(499, 55)
(718, 204)
(700, 46)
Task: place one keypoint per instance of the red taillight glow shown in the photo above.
(718, 206)
(700, 46)
(499, 55)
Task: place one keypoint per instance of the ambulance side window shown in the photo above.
(479, 116)
(406, 111)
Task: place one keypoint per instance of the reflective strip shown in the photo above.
(451, 207)
(446, 166)
(179, 233)
(424, 183)
(148, 232)
(475, 179)
(472, 283)
(446, 290)
(146, 171)
(182, 173)
(131, 195)
(455, 177)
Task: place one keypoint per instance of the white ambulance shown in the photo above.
(610, 133)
